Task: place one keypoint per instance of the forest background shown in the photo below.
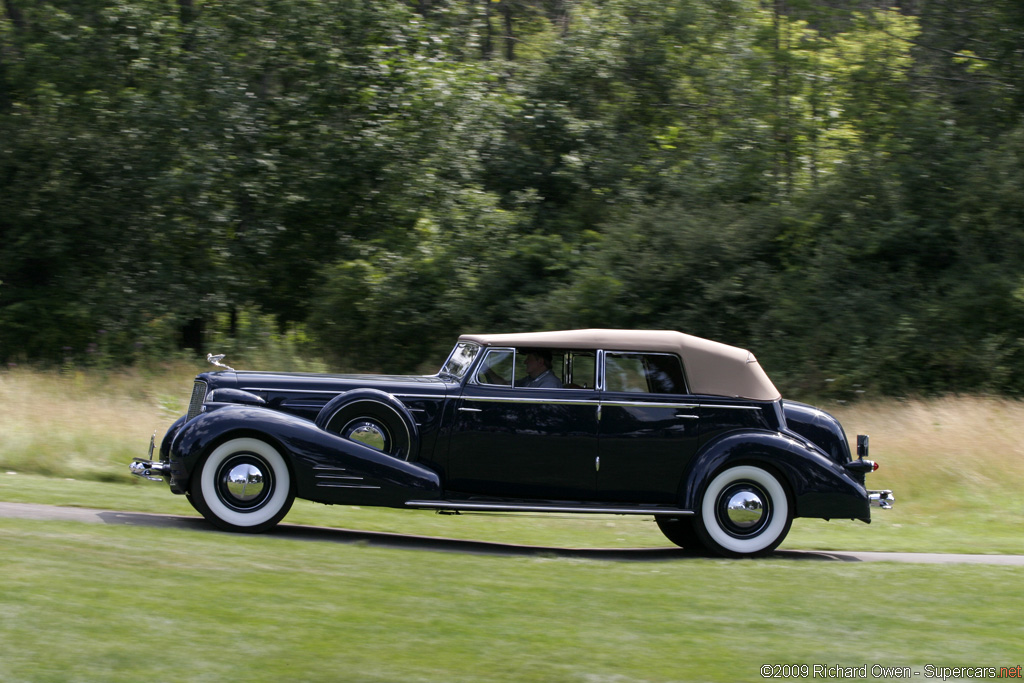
(838, 186)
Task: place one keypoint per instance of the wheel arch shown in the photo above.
(246, 432)
(306, 448)
(816, 486)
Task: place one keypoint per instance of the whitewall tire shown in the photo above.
(243, 485)
(745, 511)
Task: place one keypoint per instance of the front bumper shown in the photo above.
(150, 469)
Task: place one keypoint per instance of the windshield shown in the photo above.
(462, 357)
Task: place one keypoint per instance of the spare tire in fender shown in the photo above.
(373, 418)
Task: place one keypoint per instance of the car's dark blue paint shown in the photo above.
(523, 443)
(823, 430)
(317, 456)
(530, 444)
(238, 396)
(462, 443)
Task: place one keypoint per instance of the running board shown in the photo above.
(534, 507)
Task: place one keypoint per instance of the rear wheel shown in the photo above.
(744, 512)
(681, 531)
(243, 485)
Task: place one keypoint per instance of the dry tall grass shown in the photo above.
(87, 425)
(90, 425)
(945, 448)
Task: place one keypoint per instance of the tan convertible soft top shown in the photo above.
(711, 367)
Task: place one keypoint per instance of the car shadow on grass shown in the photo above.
(383, 539)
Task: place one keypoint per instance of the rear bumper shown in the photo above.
(881, 499)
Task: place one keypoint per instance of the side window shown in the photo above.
(624, 372)
(538, 368)
(665, 374)
(580, 370)
(649, 373)
(496, 368)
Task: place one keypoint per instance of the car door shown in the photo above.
(521, 442)
(649, 428)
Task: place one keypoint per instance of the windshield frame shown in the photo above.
(454, 367)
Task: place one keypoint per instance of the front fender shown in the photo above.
(819, 486)
(326, 467)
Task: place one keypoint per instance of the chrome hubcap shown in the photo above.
(744, 509)
(368, 433)
(244, 482)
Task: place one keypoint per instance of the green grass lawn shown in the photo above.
(99, 602)
(94, 602)
(91, 602)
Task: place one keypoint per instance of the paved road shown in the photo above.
(405, 541)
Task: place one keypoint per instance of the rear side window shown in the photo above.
(646, 373)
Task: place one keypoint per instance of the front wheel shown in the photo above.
(243, 485)
(744, 512)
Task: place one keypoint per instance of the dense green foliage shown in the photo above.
(840, 190)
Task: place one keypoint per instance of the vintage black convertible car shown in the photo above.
(656, 423)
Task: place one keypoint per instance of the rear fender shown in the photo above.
(326, 467)
(819, 486)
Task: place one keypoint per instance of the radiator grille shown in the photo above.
(195, 405)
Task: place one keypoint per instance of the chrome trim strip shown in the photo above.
(334, 393)
(346, 486)
(525, 507)
(539, 399)
(290, 391)
(729, 407)
(651, 404)
(583, 402)
(419, 396)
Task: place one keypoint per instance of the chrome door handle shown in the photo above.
(470, 410)
(687, 416)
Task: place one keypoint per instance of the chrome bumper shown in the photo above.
(147, 468)
(881, 499)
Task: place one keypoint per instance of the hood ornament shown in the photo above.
(216, 360)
